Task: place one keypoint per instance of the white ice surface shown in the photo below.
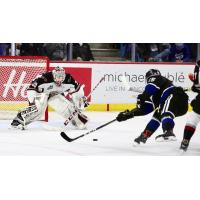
(114, 139)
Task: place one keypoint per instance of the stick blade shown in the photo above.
(65, 137)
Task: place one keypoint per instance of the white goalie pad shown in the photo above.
(66, 108)
(31, 95)
(61, 105)
(36, 111)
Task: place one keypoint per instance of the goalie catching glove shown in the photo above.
(85, 102)
(81, 103)
(123, 116)
(79, 99)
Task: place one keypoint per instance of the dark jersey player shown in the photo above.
(166, 100)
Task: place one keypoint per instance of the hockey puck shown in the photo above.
(95, 139)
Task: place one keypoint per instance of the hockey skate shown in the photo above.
(166, 136)
(184, 145)
(141, 139)
(18, 122)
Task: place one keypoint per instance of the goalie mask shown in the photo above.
(58, 75)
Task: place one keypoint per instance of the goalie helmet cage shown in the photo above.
(16, 73)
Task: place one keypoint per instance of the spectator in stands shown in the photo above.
(3, 48)
(17, 49)
(193, 47)
(125, 51)
(180, 52)
(56, 51)
(141, 52)
(159, 52)
(31, 49)
(26, 49)
(154, 51)
(138, 54)
(82, 52)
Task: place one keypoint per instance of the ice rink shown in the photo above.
(114, 139)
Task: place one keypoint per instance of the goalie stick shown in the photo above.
(72, 115)
(95, 87)
(76, 110)
(68, 139)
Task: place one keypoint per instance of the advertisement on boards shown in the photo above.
(124, 81)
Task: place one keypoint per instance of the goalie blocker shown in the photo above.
(49, 89)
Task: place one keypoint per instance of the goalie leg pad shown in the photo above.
(61, 105)
(66, 109)
(35, 112)
(25, 117)
(31, 113)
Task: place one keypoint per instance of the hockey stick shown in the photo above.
(68, 139)
(72, 115)
(95, 87)
(76, 111)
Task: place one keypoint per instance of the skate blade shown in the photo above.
(22, 128)
(182, 151)
(135, 144)
(169, 139)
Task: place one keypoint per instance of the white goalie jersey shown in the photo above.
(45, 83)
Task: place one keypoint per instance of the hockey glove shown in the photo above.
(139, 101)
(85, 102)
(123, 116)
(196, 88)
(141, 98)
(82, 103)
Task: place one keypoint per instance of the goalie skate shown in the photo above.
(17, 125)
(18, 122)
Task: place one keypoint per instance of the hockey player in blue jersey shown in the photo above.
(166, 100)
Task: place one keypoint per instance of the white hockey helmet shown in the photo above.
(58, 75)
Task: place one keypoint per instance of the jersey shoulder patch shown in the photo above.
(151, 80)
